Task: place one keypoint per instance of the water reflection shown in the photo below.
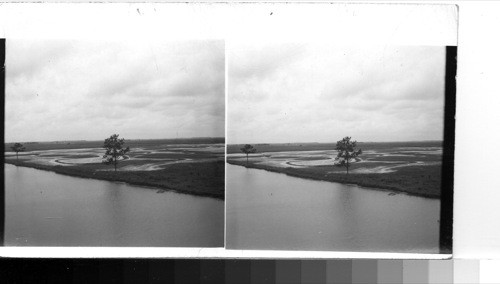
(274, 211)
(48, 209)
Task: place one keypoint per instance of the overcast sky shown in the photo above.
(72, 90)
(294, 92)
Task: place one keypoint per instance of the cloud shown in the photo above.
(259, 59)
(326, 91)
(69, 90)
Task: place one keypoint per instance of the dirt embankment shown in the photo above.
(424, 181)
(203, 179)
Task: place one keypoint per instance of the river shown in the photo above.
(267, 210)
(43, 208)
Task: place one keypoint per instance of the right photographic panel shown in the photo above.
(340, 148)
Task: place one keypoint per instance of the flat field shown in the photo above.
(401, 167)
(192, 166)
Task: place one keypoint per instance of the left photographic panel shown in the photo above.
(115, 143)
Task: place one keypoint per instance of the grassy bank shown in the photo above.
(424, 181)
(201, 178)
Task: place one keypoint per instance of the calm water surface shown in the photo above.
(268, 210)
(48, 209)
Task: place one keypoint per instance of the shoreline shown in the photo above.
(114, 178)
(337, 178)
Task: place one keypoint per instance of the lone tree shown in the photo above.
(18, 147)
(346, 151)
(114, 149)
(248, 149)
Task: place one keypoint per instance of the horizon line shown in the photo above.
(315, 142)
(83, 140)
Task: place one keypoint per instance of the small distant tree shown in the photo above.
(18, 147)
(346, 151)
(114, 149)
(248, 149)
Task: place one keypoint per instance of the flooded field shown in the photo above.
(138, 159)
(413, 168)
(371, 161)
(188, 166)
